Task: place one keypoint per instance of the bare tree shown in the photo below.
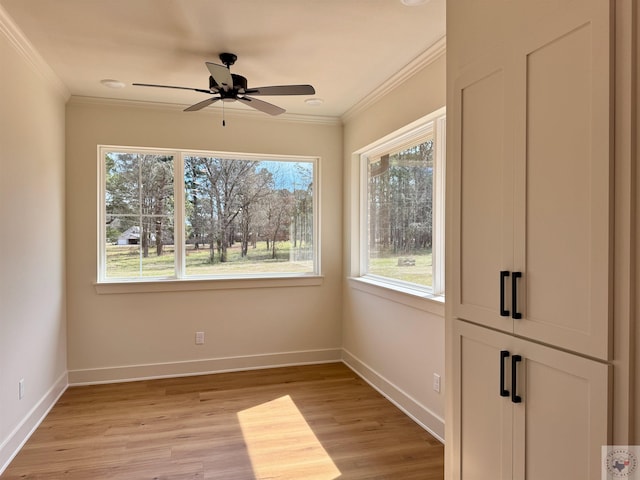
(278, 206)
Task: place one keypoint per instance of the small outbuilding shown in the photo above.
(130, 236)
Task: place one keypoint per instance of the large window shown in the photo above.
(191, 215)
(402, 207)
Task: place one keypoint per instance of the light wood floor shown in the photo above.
(311, 422)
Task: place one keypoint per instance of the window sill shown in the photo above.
(406, 296)
(154, 286)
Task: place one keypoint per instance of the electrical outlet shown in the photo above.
(436, 382)
(21, 389)
(199, 338)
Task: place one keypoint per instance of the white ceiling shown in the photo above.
(347, 49)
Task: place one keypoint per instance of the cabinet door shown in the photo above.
(563, 174)
(530, 176)
(482, 423)
(556, 430)
(562, 421)
(481, 192)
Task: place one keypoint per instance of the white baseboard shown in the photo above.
(418, 412)
(201, 367)
(16, 439)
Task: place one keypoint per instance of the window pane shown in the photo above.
(400, 217)
(248, 216)
(139, 207)
(122, 183)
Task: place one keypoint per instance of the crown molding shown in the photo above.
(26, 50)
(427, 57)
(230, 112)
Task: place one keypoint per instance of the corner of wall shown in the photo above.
(16, 439)
(415, 410)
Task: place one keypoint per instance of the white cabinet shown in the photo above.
(531, 171)
(523, 410)
(529, 237)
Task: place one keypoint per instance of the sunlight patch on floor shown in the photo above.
(282, 445)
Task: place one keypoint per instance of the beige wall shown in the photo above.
(32, 243)
(116, 336)
(396, 346)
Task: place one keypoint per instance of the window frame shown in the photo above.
(180, 280)
(432, 124)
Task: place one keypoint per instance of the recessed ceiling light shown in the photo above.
(314, 101)
(109, 82)
(413, 3)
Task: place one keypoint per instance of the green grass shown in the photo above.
(420, 273)
(124, 261)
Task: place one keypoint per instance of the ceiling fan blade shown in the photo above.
(221, 75)
(170, 86)
(283, 90)
(201, 105)
(262, 106)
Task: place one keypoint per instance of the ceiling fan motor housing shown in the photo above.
(239, 86)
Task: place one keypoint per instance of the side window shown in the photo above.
(403, 208)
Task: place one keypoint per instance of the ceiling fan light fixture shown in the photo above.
(314, 101)
(111, 83)
(413, 3)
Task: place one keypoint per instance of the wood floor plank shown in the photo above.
(308, 422)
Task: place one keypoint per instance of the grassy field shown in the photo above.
(124, 261)
(388, 266)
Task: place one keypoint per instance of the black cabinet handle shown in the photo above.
(503, 312)
(514, 295)
(514, 375)
(503, 355)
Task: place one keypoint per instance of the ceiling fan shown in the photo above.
(231, 87)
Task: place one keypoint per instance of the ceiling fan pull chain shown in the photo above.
(224, 124)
